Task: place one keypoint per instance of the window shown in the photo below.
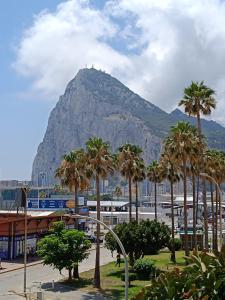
(3, 246)
(110, 220)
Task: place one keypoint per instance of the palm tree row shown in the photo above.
(185, 155)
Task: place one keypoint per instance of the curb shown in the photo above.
(34, 264)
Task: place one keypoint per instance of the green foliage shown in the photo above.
(147, 237)
(63, 248)
(177, 244)
(132, 277)
(145, 268)
(203, 278)
(153, 236)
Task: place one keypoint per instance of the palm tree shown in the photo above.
(183, 145)
(118, 192)
(198, 99)
(71, 173)
(126, 160)
(215, 167)
(192, 172)
(101, 163)
(139, 175)
(171, 173)
(154, 175)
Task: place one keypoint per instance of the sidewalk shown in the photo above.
(16, 264)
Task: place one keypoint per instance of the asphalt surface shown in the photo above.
(12, 282)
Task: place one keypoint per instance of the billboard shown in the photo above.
(49, 203)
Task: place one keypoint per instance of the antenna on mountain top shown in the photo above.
(86, 66)
(92, 66)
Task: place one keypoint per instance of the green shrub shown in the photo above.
(203, 278)
(132, 277)
(145, 268)
(177, 244)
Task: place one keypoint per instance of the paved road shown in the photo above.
(39, 273)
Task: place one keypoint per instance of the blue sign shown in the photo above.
(49, 203)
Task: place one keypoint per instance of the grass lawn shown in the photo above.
(162, 260)
(111, 284)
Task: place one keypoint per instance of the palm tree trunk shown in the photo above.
(130, 199)
(155, 201)
(216, 222)
(173, 253)
(97, 259)
(199, 124)
(213, 217)
(220, 210)
(76, 225)
(70, 274)
(136, 190)
(76, 210)
(197, 198)
(205, 214)
(194, 212)
(186, 246)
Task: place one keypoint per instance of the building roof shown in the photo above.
(107, 203)
(31, 213)
(119, 213)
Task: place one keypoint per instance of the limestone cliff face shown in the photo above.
(94, 104)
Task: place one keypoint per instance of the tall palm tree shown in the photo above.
(193, 172)
(100, 163)
(154, 175)
(171, 173)
(215, 167)
(199, 99)
(183, 145)
(139, 175)
(127, 156)
(71, 173)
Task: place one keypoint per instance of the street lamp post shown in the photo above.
(221, 197)
(24, 190)
(118, 241)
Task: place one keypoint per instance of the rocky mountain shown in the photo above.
(96, 104)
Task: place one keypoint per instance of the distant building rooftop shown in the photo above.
(107, 203)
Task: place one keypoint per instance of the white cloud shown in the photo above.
(165, 45)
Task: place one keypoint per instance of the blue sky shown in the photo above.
(155, 47)
(22, 122)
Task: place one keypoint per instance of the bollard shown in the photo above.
(53, 284)
(40, 295)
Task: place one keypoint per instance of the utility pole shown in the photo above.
(24, 203)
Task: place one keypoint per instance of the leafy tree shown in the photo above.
(153, 236)
(147, 237)
(100, 163)
(63, 248)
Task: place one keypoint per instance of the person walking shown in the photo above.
(118, 260)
